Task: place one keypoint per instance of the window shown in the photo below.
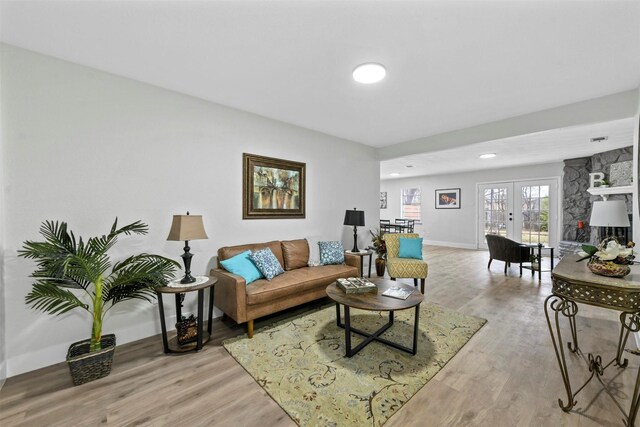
(411, 199)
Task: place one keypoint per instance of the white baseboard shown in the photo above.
(451, 244)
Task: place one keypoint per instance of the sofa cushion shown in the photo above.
(314, 251)
(227, 252)
(299, 280)
(267, 263)
(331, 253)
(242, 265)
(410, 248)
(295, 253)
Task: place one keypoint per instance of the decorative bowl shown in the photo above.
(608, 269)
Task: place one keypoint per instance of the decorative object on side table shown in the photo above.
(609, 258)
(71, 271)
(355, 218)
(184, 228)
(187, 330)
(380, 247)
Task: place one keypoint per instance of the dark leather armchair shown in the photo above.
(506, 250)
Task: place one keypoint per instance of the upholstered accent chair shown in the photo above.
(506, 250)
(404, 268)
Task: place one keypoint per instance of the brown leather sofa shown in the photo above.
(297, 285)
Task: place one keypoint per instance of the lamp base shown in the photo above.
(188, 278)
(355, 239)
(186, 257)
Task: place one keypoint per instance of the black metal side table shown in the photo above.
(362, 254)
(202, 283)
(532, 247)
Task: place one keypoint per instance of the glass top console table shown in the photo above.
(573, 284)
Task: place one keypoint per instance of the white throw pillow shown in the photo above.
(314, 250)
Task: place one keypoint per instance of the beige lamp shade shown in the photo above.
(609, 213)
(187, 227)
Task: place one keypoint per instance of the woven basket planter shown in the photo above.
(86, 366)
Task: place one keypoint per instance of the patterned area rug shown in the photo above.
(300, 362)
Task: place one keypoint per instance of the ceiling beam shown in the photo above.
(612, 107)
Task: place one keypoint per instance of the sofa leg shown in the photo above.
(490, 259)
(224, 317)
(392, 278)
(506, 264)
(250, 328)
(422, 282)
(415, 283)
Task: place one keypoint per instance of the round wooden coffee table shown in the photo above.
(375, 302)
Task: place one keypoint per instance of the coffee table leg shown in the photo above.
(391, 317)
(415, 330)
(338, 319)
(347, 331)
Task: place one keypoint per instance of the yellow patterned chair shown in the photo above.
(404, 268)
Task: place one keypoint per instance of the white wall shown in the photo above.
(85, 146)
(456, 227)
(3, 356)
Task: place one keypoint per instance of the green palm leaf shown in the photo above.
(137, 276)
(48, 297)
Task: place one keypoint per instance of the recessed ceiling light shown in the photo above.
(487, 155)
(369, 73)
(394, 174)
(408, 166)
(599, 139)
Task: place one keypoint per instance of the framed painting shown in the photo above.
(448, 198)
(383, 200)
(272, 188)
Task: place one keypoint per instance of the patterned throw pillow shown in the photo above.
(331, 253)
(267, 263)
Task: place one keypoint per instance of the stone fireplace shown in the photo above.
(577, 200)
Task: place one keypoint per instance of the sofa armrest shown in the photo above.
(353, 260)
(230, 294)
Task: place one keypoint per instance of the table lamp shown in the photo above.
(609, 213)
(355, 218)
(187, 227)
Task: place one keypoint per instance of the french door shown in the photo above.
(524, 211)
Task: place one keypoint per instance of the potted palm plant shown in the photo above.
(380, 247)
(72, 273)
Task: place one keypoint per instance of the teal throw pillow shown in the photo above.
(331, 253)
(410, 248)
(242, 265)
(267, 263)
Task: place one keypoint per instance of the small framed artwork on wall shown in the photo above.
(383, 200)
(448, 198)
(272, 188)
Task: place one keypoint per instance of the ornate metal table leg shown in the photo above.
(573, 344)
(635, 402)
(569, 309)
(630, 322)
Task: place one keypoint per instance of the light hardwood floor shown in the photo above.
(506, 375)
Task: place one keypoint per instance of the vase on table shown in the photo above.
(380, 266)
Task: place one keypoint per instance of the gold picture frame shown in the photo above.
(272, 188)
